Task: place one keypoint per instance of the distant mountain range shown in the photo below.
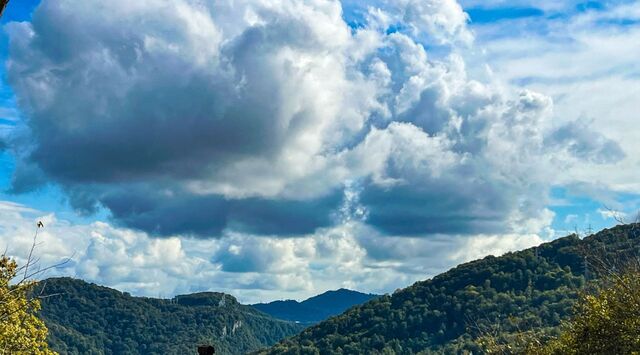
(85, 318)
(317, 308)
(532, 290)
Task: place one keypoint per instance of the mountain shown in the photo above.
(317, 308)
(531, 290)
(85, 318)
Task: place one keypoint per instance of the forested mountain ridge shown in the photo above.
(530, 289)
(317, 308)
(86, 318)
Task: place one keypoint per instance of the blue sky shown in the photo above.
(404, 137)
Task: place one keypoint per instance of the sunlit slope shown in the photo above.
(85, 318)
(529, 289)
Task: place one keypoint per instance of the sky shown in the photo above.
(279, 149)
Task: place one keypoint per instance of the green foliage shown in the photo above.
(606, 321)
(89, 319)
(452, 313)
(21, 331)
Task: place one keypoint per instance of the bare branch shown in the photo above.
(616, 215)
(33, 246)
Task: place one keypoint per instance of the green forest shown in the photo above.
(85, 318)
(492, 301)
(532, 290)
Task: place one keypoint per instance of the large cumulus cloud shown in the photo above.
(257, 116)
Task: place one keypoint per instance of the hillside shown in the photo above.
(85, 318)
(530, 289)
(317, 308)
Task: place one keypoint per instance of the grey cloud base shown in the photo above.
(265, 118)
(161, 214)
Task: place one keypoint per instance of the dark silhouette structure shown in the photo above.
(206, 350)
(3, 4)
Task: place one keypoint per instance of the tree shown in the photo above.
(606, 318)
(21, 331)
(605, 322)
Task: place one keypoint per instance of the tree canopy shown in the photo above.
(606, 320)
(21, 331)
(85, 318)
(531, 290)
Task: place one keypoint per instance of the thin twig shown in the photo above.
(33, 246)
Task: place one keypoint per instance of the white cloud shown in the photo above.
(585, 61)
(436, 22)
(571, 219)
(316, 154)
(612, 214)
(253, 268)
(250, 116)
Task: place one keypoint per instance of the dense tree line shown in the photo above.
(532, 290)
(605, 322)
(85, 318)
